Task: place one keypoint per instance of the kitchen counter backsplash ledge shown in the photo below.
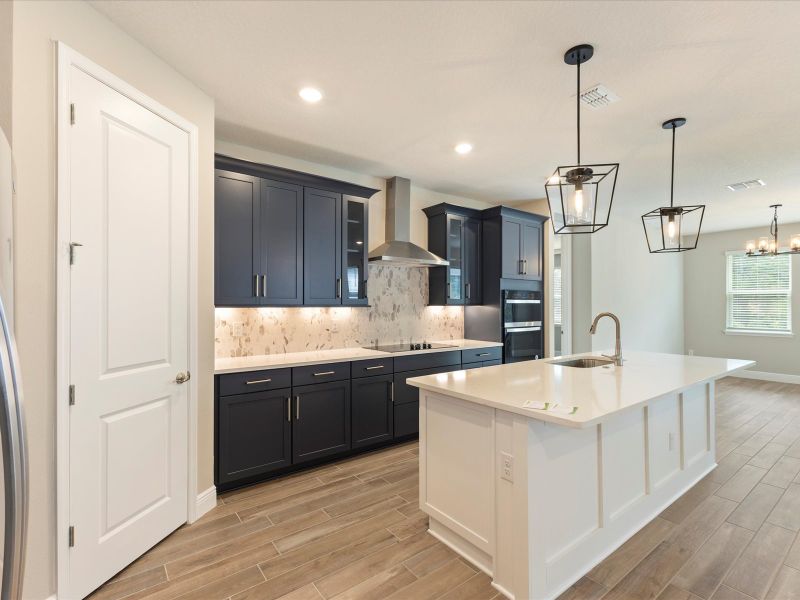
(398, 312)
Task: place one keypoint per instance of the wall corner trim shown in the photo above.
(766, 376)
(206, 500)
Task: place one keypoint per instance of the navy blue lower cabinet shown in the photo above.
(254, 434)
(373, 412)
(321, 420)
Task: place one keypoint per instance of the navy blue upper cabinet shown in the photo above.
(454, 233)
(513, 245)
(322, 264)
(281, 241)
(236, 246)
(355, 225)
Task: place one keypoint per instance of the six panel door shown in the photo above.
(237, 207)
(322, 264)
(373, 415)
(281, 243)
(255, 434)
(321, 420)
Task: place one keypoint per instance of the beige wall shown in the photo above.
(704, 305)
(6, 16)
(36, 26)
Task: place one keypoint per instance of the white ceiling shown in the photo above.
(405, 81)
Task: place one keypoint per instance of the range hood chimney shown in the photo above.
(398, 249)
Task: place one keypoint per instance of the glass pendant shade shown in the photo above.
(580, 196)
(673, 228)
(768, 246)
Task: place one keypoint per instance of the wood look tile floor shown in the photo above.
(353, 530)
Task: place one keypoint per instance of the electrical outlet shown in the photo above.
(507, 467)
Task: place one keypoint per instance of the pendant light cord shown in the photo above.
(578, 106)
(672, 175)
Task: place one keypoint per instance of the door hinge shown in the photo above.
(72, 114)
(72, 246)
(72, 394)
(71, 536)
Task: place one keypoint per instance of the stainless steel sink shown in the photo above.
(583, 363)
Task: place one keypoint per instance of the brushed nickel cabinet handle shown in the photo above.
(320, 374)
(289, 408)
(375, 367)
(297, 408)
(254, 381)
(263, 286)
(338, 287)
(391, 391)
(519, 267)
(256, 278)
(485, 354)
(468, 290)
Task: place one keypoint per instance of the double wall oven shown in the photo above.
(523, 338)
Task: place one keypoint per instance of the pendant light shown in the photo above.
(673, 228)
(580, 196)
(769, 246)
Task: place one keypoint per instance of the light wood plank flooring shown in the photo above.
(353, 530)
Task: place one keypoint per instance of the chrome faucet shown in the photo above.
(617, 357)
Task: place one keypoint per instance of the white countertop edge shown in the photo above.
(555, 418)
(263, 362)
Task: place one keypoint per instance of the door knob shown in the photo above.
(183, 377)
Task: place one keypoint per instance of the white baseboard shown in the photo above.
(205, 502)
(765, 376)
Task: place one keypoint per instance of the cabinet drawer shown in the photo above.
(481, 354)
(368, 368)
(404, 393)
(320, 373)
(254, 381)
(414, 362)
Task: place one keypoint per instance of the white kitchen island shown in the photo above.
(536, 472)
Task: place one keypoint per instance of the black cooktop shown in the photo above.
(409, 347)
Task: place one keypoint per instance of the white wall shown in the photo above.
(644, 290)
(6, 18)
(704, 301)
(35, 27)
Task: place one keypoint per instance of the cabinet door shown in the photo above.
(355, 226)
(281, 241)
(532, 251)
(455, 256)
(321, 420)
(236, 251)
(472, 261)
(511, 249)
(373, 413)
(254, 435)
(406, 419)
(322, 244)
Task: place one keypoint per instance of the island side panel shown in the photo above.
(591, 489)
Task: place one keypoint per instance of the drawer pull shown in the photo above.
(257, 381)
(485, 354)
(321, 373)
(375, 367)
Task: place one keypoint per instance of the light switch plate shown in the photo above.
(507, 466)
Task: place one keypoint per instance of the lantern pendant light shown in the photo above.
(580, 196)
(673, 228)
(770, 246)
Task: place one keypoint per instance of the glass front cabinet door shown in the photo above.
(355, 271)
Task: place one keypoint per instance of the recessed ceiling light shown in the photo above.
(310, 95)
(463, 148)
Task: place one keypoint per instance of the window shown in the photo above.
(759, 291)
(557, 289)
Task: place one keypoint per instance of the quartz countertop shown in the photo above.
(316, 357)
(578, 397)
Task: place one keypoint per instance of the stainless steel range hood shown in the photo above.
(398, 249)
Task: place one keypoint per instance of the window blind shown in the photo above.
(557, 296)
(759, 293)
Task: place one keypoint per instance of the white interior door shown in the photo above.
(129, 198)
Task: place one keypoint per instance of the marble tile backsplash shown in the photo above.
(398, 313)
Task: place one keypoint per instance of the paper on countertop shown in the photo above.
(562, 409)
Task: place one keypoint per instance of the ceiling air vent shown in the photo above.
(598, 96)
(746, 185)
